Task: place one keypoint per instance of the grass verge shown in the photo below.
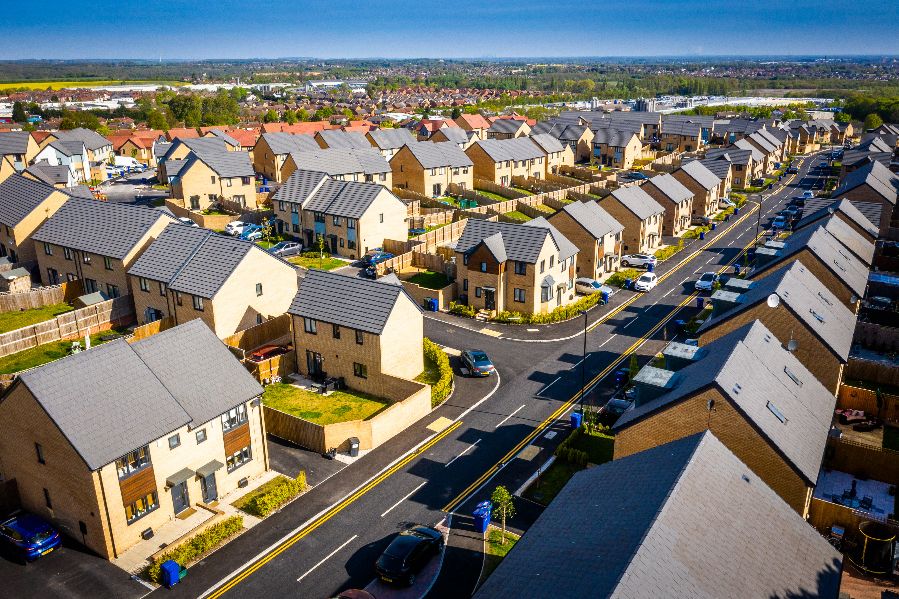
(310, 261)
(10, 321)
(520, 217)
(338, 406)
(496, 549)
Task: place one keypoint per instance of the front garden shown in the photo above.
(337, 406)
(315, 260)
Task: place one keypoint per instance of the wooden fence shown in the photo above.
(872, 371)
(275, 331)
(282, 366)
(41, 296)
(296, 430)
(71, 325)
(862, 460)
(506, 192)
(858, 398)
(150, 329)
(876, 336)
(586, 175)
(824, 514)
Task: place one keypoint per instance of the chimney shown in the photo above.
(680, 355)
(652, 382)
(723, 300)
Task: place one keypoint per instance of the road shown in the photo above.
(496, 432)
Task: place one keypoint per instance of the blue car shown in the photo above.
(29, 535)
(251, 233)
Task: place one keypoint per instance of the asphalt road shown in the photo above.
(329, 539)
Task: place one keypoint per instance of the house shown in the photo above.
(273, 149)
(211, 177)
(681, 136)
(771, 153)
(99, 150)
(744, 167)
(228, 283)
(429, 168)
(858, 246)
(641, 216)
(19, 146)
(823, 208)
(576, 136)
(181, 133)
(873, 189)
(59, 176)
(389, 141)
(616, 148)
(557, 155)
(474, 123)
(96, 242)
(366, 165)
(455, 135)
(112, 443)
(427, 127)
(675, 198)
(159, 150)
(528, 268)
(682, 519)
(366, 332)
(753, 394)
(723, 169)
(72, 154)
(180, 149)
(351, 217)
(795, 306)
(231, 144)
(595, 233)
(508, 129)
(704, 185)
(500, 160)
(7, 169)
(827, 257)
(341, 140)
(25, 204)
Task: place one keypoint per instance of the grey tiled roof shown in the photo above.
(440, 154)
(84, 192)
(196, 144)
(719, 168)
(637, 201)
(346, 301)
(763, 143)
(349, 199)
(593, 218)
(102, 228)
(683, 128)
(745, 144)
(68, 147)
(683, 519)
(517, 148)
(335, 138)
(566, 248)
(91, 139)
(616, 138)
(506, 126)
(14, 142)
(860, 247)
(160, 148)
(299, 186)
(752, 368)
(391, 139)
(456, 135)
(565, 131)
(815, 211)
(19, 196)
(225, 138)
(285, 143)
(224, 164)
(549, 143)
(497, 246)
(806, 296)
(673, 189)
(49, 173)
(731, 154)
(521, 242)
(117, 397)
(339, 161)
(701, 174)
(876, 176)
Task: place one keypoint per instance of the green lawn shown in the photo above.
(518, 216)
(327, 263)
(10, 321)
(431, 374)
(272, 240)
(545, 209)
(491, 195)
(448, 200)
(599, 447)
(548, 485)
(430, 279)
(523, 190)
(42, 354)
(496, 550)
(339, 406)
(212, 212)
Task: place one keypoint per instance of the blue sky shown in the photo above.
(460, 28)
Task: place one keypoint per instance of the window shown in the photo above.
(174, 441)
(335, 331)
(483, 267)
(47, 499)
(542, 266)
(212, 179)
(521, 268)
(39, 450)
(335, 220)
(318, 217)
(382, 177)
(259, 319)
(381, 217)
(464, 284)
(360, 339)
(234, 417)
(48, 249)
(198, 303)
(144, 284)
(178, 299)
(777, 413)
(227, 182)
(552, 260)
(282, 206)
(465, 259)
(258, 289)
(86, 258)
(546, 294)
(351, 223)
(239, 458)
(519, 295)
(107, 262)
(310, 326)
(245, 180)
(477, 292)
(133, 461)
(360, 370)
(90, 286)
(67, 253)
(112, 290)
(201, 435)
(141, 507)
(341, 242)
(162, 289)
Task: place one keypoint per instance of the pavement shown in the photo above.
(133, 188)
(495, 430)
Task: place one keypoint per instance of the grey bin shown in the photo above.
(354, 447)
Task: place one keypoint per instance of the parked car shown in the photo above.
(186, 221)
(725, 203)
(636, 176)
(706, 282)
(267, 351)
(477, 362)
(823, 164)
(408, 553)
(30, 536)
(286, 248)
(376, 256)
(793, 213)
(792, 170)
(414, 232)
(703, 221)
(614, 408)
(780, 222)
(646, 282)
(589, 286)
(798, 201)
(866, 426)
(808, 194)
(235, 228)
(251, 232)
(643, 260)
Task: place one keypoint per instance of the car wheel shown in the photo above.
(625, 263)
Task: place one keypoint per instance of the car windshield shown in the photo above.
(707, 277)
(595, 284)
(617, 405)
(479, 356)
(645, 278)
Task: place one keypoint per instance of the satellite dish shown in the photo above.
(792, 345)
(852, 299)
(773, 300)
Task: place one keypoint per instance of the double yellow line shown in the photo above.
(330, 513)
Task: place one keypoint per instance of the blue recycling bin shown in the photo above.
(701, 235)
(726, 217)
(481, 515)
(605, 296)
(700, 302)
(736, 210)
(430, 304)
(172, 573)
(736, 269)
(576, 419)
(627, 283)
(714, 226)
(650, 267)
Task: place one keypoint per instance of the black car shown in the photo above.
(408, 553)
(614, 408)
(477, 362)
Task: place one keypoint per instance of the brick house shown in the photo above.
(723, 169)
(500, 160)
(528, 268)
(817, 210)
(341, 140)
(675, 198)
(96, 243)
(351, 217)
(207, 178)
(365, 331)
(640, 215)
(179, 151)
(579, 138)
(110, 444)
(508, 129)
(19, 146)
(366, 165)
(873, 189)
(704, 185)
(595, 233)
(230, 284)
(805, 311)
(272, 149)
(743, 166)
(616, 148)
(751, 393)
(25, 205)
(429, 168)
(555, 152)
(475, 123)
(680, 136)
(389, 141)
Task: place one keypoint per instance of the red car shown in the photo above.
(267, 351)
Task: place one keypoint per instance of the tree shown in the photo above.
(456, 113)
(79, 118)
(842, 117)
(873, 121)
(290, 117)
(18, 112)
(156, 120)
(503, 506)
(302, 115)
(270, 116)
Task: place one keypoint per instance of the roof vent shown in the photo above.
(824, 299)
(737, 388)
(745, 478)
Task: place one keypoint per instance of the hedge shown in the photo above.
(274, 494)
(196, 547)
(461, 310)
(442, 388)
(668, 251)
(618, 278)
(558, 315)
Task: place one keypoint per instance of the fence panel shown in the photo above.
(869, 370)
(150, 329)
(40, 297)
(876, 337)
(296, 430)
(269, 331)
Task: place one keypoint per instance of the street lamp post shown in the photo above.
(584, 366)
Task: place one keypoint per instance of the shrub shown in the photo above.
(667, 252)
(558, 315)
(461, 309)
(617, 279)
(280, 491)
(720, 216)
(441, 389)
(199, 545)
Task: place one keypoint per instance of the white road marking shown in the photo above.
(549, 385)
(327, 557)
(609, 339)
(533, 330)
(667, 293)
(503, 421)
(482, 400)
(685, 279)
(629, 323)
(460, 455)
(576, 364)
(405, 497)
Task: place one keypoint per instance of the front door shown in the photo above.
(489, 299)
(207, 485)
(194, 202)
(180, 498)
(313, 364)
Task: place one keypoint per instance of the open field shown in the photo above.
(40, 85)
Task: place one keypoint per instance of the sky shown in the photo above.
(167, 29)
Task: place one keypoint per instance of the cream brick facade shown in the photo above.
(200, 187)
(408, 173)
(705, 201)
(596, 257)
(640, 235)
(16, 242)
(502, 172)
(677, 214)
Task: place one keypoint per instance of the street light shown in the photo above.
(583, 366)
